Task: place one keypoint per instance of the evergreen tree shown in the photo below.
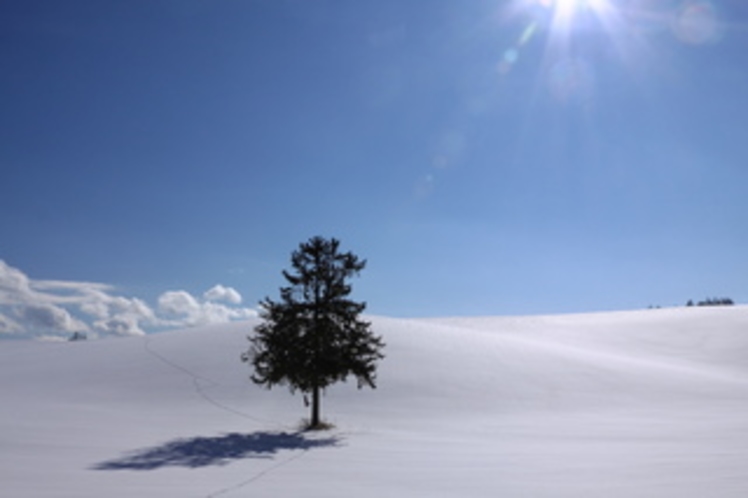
(313, 336)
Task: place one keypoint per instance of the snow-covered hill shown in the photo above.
(646, 404)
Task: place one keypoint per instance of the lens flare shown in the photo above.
(696, 23)
(527, 33)
(572, 81)
(579, 34)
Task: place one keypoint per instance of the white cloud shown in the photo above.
(116, 314)
(53, 307)
(17, 288)
(14, 285)
(178, 303)
(221, 293)
(9, 326)
(96, 306)
(49, 317)
(185, 310)
(120, 325)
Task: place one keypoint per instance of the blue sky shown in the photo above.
(485, 157)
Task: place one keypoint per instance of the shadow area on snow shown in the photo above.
(220, 450)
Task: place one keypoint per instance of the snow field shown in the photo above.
(647, 404)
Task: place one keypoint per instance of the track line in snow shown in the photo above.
(257, 476)
(265, 472)
(199, 388)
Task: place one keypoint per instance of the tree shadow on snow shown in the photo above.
(203, 451)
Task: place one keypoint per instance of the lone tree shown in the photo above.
(313, 336)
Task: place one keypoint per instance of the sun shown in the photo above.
(562, 17)
(564, 11)
(567, 7)
(563, 5)
(560, 21)
(566, 26)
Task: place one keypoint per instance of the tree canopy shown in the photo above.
(313, 336)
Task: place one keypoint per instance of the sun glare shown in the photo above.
(568, 27)
(565, 8)
(564, 11)
(559, 17)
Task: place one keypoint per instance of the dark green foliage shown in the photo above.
(715, 301)
(313, 336)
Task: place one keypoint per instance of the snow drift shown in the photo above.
(648, 404)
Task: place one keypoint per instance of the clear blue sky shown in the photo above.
(485, 157)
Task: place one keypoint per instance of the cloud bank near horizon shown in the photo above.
(53, 308)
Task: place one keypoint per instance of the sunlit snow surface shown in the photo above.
(638, 404)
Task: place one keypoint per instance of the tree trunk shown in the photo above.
(314, 422)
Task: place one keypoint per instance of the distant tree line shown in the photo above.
(713, 301)
(710, 301)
